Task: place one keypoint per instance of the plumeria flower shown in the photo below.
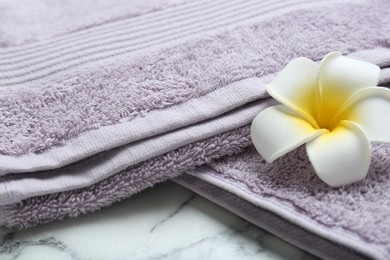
(335, 107)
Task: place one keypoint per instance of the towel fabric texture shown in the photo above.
(97, 105)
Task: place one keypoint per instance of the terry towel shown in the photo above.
(96, 106)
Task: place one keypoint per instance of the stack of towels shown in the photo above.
(102, 99)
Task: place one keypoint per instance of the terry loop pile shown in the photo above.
(98, 105)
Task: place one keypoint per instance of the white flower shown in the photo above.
(334, 107)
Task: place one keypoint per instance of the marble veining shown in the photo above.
(173, 213)
(15, 247)
(164, 222)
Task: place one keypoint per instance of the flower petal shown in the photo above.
(277, 130)
(342, 156)
(296, 87)
(340, 77)
(369, 108)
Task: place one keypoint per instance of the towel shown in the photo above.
(97, 106)
(352, 222)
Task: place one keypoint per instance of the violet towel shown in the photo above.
(97, 107)
(351, 222)
(68, 98)
(271, 221)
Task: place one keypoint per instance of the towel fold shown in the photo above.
(352, 217)
(96, 106)
(18, 186)
(267, 219)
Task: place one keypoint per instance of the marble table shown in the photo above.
(163, 222)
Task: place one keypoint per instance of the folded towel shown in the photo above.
(352, 222)
(96, 107)
(18, 186)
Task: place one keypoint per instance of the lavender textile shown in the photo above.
(65, 106)
(87, 172)
(295, 234)
(354, 216)
(43, 209)
(96, 106)
(55, 91)
(92, 170)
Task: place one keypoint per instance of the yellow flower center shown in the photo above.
(327, 116)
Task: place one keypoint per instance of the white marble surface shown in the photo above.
(164, 222)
